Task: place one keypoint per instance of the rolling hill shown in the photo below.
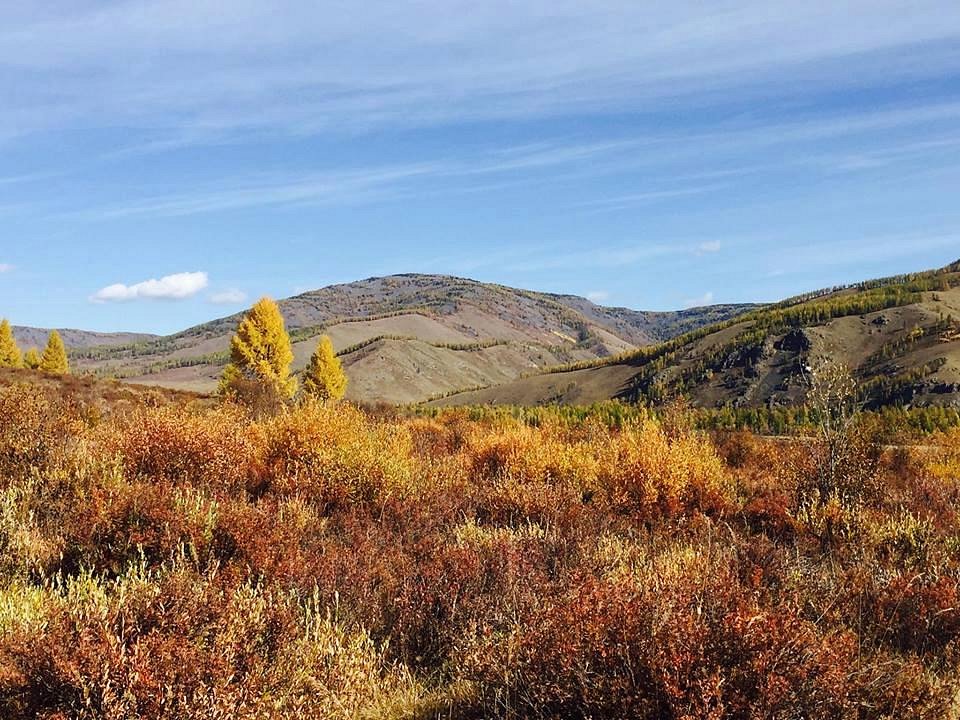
(28, 337)
(900, 336)
(410, 338)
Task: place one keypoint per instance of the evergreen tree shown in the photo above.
(31, 359)
(325, 379)
(260, 352)
(54, 359)
(9, 352)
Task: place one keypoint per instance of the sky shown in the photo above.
(165, 163)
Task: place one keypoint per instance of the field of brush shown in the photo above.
(166, 557)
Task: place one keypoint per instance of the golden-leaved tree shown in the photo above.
(32, 359)
(9, 352)
(324, 378)
(54, 358)
(260, 354)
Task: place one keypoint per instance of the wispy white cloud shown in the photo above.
(598, 296)
(178, 286)
(328, 188)
(620, 202)
(611, 257)
(6, 267)
(228, 297)
(292, 66)
(708, 247)
(350, 186)
(705, 299)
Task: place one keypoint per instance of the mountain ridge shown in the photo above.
(899, 335)
(409, 337)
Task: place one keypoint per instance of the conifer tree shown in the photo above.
(325, 379)
(9, 352)
(54, 358)
(31, 359)
(260, 352)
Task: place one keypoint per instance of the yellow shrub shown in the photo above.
(643, 470)
(334, 454)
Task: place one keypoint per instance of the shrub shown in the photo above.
(333, 455)
(652, 476)
(212, 449)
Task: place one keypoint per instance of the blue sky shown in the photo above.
(162, 163)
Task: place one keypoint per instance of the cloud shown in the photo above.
(710, 246)
(228, 297)
(621, 202)
(363, 184)
(5, 268)
(598, 296)
(705, 299)
(178, 286)
(205, 69)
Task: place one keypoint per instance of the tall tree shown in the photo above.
(325, 379)
(260, 352)
(9, 352)
(54, 358)
(32, 359)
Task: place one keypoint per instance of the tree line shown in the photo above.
(53, 359)
(259, 371)
(261, 355)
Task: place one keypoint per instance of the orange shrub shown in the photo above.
(168, 560)
(168, 444)
(36, 428)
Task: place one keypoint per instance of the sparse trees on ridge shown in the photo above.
(9, 352)
(54, 358)
(324, 378)
(260, 355)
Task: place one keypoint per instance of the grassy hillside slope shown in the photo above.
(408, 338)
(900, 336)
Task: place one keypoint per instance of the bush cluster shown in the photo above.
(164, 560)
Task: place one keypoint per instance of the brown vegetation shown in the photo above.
(169, 558)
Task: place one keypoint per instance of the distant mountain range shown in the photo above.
(900, 336)
(448, 340)
(28, 337)
(403, 338)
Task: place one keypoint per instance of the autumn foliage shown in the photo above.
(10, 355)
(168, 558)
(324, 378)
(260, 356)
(54, 357)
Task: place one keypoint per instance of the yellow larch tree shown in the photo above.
(32, 359)
(54, 358)
(260, 352)
(324, 378)
(9, 352)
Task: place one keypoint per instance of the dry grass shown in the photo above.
(167, 558)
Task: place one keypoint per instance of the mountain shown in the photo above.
(28, 337)
(900, 336)
(409, 338)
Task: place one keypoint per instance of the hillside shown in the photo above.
(408, 338)
(28, 337)
(900, 336)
